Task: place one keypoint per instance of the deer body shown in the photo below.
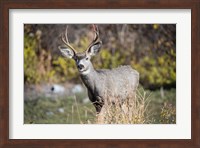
(104, 85)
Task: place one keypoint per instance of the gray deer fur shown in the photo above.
(104, 85)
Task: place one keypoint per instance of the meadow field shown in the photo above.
(77, 109)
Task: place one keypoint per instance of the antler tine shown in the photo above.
(66, 41)
(96, 30)
(96, 36)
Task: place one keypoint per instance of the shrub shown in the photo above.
(37, 62)
(156, 71)
(30, 61)
(168, 114)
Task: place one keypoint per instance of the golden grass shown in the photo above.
(131, 111)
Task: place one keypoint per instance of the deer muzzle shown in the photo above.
(80, 67)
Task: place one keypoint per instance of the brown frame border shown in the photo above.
(5, 5)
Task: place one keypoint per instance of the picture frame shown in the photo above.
(194, 5)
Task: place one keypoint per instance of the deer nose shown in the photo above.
(80, 66)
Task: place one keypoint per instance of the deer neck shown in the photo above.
(89, 78)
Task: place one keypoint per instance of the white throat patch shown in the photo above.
(85, 72)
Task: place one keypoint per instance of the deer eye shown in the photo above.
(87, 58)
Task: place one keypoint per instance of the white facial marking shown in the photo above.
(85, 72)
(81, 62)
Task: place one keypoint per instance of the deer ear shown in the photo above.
(94, 49)
(66, 52)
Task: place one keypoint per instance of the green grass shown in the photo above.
(71, 109)
(159, 104)
(46, 111)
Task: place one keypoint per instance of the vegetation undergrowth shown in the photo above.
(147, 108)
(130, 111)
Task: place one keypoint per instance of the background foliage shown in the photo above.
(149, 48)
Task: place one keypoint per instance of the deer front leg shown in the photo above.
(100, 111)
(101, 116)
(97, 106)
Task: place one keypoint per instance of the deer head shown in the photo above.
(82, 59)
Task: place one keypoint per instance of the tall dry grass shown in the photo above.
(130, 111)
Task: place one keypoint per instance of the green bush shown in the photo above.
(156, 70)
(37, 62)
(65, 69)
(30, 61)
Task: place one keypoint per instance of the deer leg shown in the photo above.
(98, 104)
(97, 107)
(101, 116)
(100, 112)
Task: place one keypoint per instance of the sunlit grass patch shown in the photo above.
(131, 111)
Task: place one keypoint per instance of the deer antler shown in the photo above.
(66, 41)
(96, 31)
(96, 36)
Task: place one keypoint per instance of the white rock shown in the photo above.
(61, 110)
(49, 113)
(86, 100)
(77, 89)
(57, 88)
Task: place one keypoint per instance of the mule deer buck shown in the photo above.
(104, 85)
